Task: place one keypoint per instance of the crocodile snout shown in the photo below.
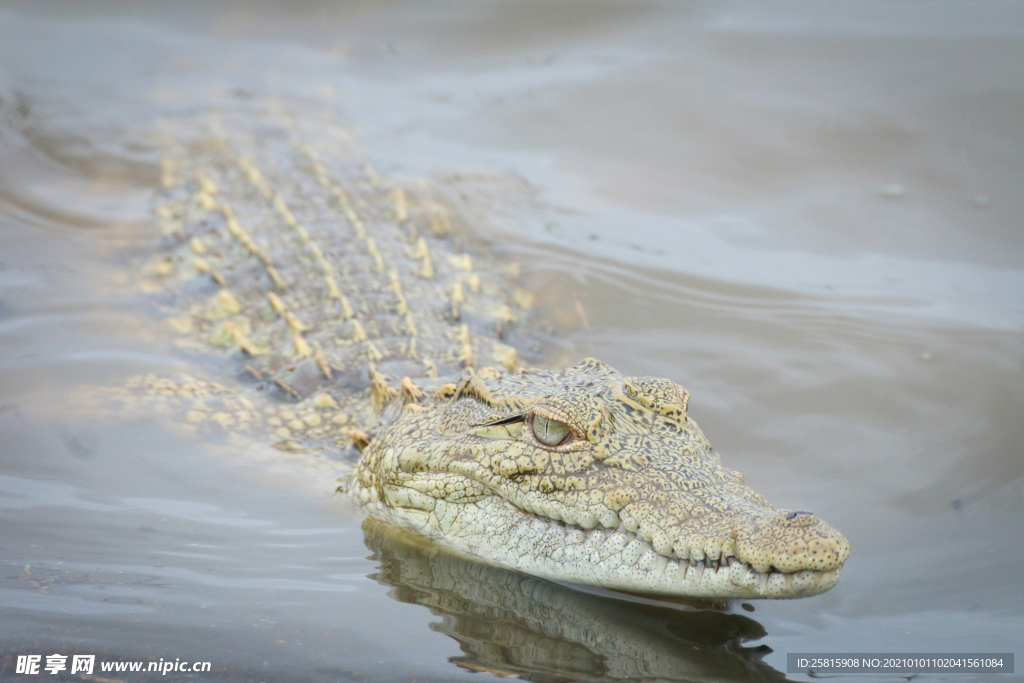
(791, 541)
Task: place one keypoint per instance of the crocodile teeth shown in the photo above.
(548, 545)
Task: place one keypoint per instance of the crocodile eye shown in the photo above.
(550, 432)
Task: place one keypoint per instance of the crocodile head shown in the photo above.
(588, 476)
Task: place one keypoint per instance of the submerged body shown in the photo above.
(352, 302)
(511, 624)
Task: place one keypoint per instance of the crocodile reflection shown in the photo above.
(509, 623)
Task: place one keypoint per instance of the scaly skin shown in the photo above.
(633, 499)
(350, 300)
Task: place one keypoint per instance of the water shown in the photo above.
(810, 216)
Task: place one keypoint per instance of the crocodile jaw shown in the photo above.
(497, 532)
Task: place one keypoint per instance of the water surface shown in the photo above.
(809, 215)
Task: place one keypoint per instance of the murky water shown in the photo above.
(809, 215)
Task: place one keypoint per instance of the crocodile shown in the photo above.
(361, 318)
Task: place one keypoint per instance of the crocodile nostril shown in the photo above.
(796, 518)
